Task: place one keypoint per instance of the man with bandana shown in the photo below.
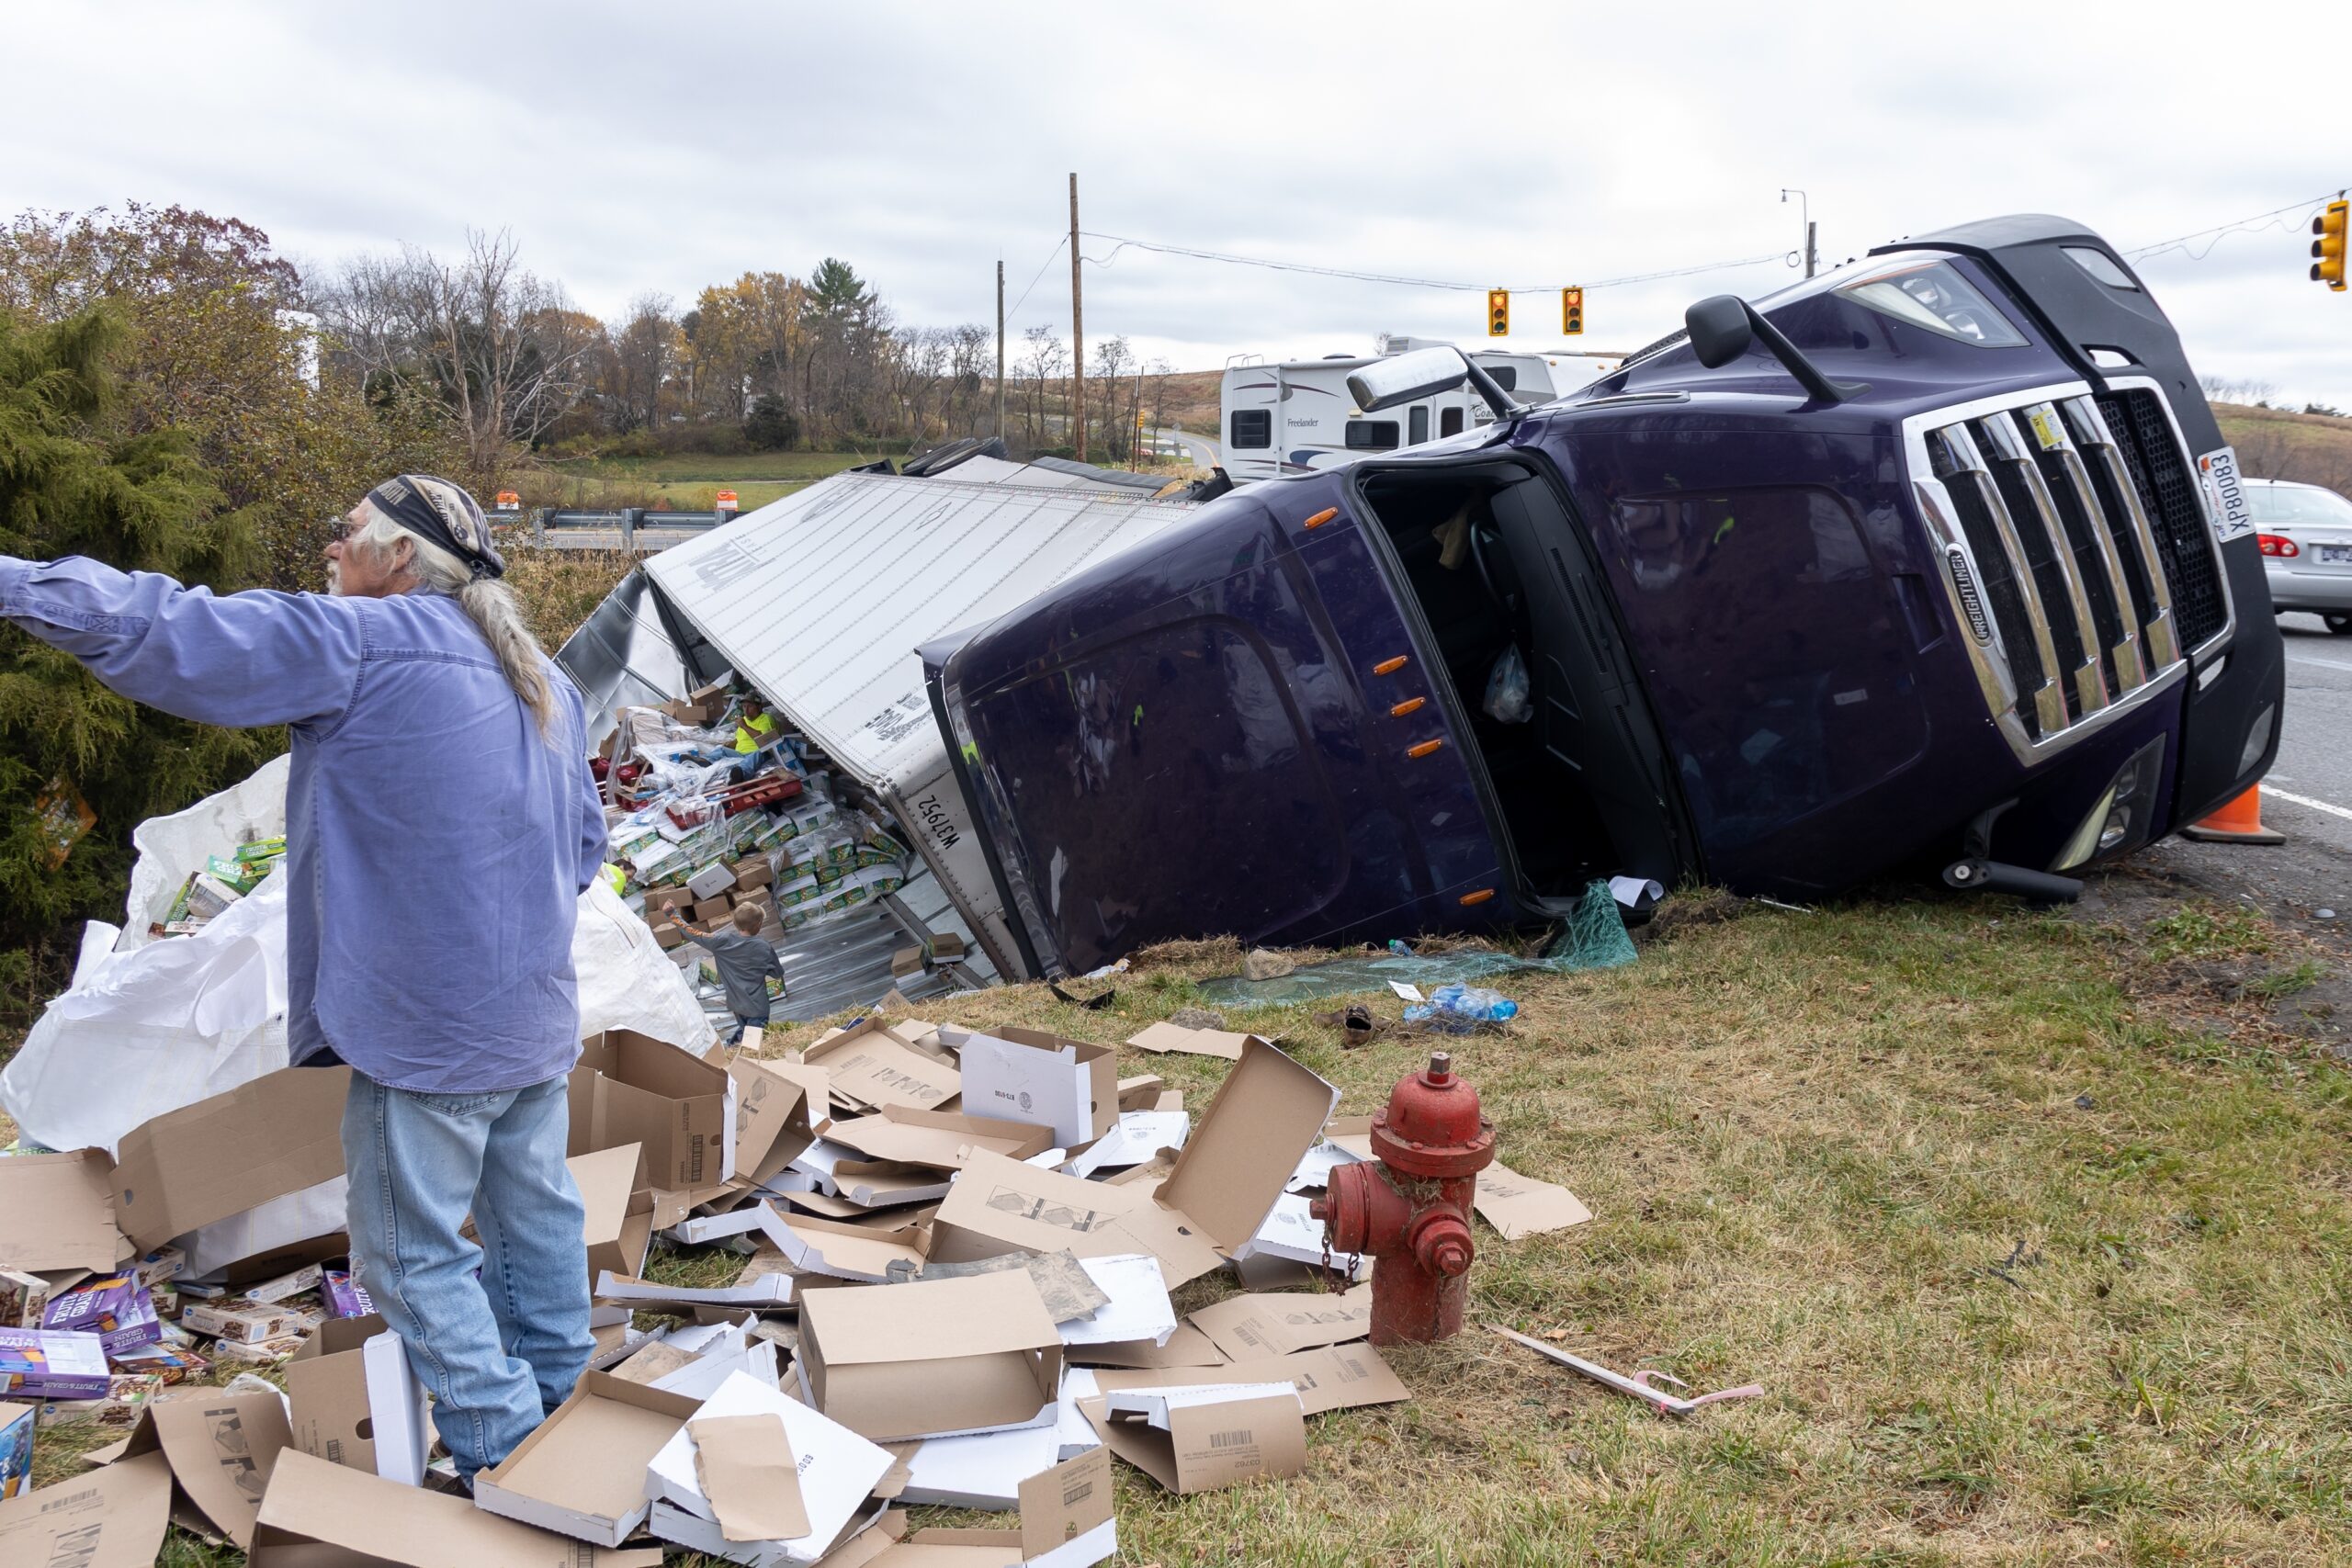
(441, 823)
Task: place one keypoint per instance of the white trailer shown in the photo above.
(1296, 416)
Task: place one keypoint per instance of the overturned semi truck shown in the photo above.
(1935, 565)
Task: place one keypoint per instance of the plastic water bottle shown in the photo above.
(1458, 1008)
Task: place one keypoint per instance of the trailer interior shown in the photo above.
(1495, 563)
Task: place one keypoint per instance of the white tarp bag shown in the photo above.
(149, 1026)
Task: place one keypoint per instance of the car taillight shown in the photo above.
(2277, 545)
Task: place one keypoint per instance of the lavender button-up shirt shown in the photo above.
(437, 846)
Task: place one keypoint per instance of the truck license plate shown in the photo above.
(2232, 515)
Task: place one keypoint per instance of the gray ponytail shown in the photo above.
(488, 603)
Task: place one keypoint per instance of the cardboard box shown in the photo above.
(871, 1065)
(618, 1224)
(18, 1423)
(270, 1138)
(974, 1354)
(327, 1515)
(746, 1470)
(999, 1205)
(753, 871)
(710, 882)
(222, 1447)
(1204, 1437)
(766, 1293)
(906, 963)
(1187, 1347)
(670, 935)
(581, 1473)
(631, 1088)
(355, 1402)
(838, 1470)
(1266, 1114)
(1248, 1326)
(60, 1212)
(710, 911)
(1025, 1074)
(41, 1363)
(779, 1109)
(111, 1517)
(1065, 1522)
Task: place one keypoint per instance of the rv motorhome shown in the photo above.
(1297, 416)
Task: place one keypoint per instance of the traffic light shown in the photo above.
(1498, 312)
(2328, 251)
(1572, 312)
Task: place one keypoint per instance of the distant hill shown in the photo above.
(2274, 445)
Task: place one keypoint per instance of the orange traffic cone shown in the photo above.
(2238, 821)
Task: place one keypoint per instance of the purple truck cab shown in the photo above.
(1945, 582)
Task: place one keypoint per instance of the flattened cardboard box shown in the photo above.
(223, 1449)
(1521, 1205)
(61, 1214)
(631, 1088)
(1166, 1036)
(581, 1471)
(999, 1205)
(1247, 1327)
(111, 1517)
(326, 1516)
(1199, 1439)
(1026, 1074)
(936, 1138)
(872, 1066)
(278, 1134)
(975, 1353)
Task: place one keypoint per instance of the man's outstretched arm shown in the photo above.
(245, 660)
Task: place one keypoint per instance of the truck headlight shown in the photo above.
(2258, 738)
(2124, 811)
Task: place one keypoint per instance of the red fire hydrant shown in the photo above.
(1411, 1207)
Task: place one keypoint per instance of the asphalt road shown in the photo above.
(1203, 452)
(2309, 792)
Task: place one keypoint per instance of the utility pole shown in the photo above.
(1804, 210)
(1000, 348)
(1076, 329)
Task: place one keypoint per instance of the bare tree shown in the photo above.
(502, 350)
(646, 353)
(1043, 358)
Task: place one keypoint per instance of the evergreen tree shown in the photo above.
(71, 485)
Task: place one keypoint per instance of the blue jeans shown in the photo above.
(499, 1350)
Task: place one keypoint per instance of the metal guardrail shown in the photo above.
(635, 529)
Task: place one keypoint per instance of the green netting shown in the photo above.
(1592, 938)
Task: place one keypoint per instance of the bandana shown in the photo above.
(436, 509)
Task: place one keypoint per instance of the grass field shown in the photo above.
(687, 481)
(2272, 444)
(2039, 1255)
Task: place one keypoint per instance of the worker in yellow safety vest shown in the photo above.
(755, 728)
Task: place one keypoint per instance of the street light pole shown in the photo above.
(1806, 212)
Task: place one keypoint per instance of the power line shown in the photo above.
(1122, 242)
(1041, 272)
(2254, 225)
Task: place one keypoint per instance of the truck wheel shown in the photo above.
(2341, 625)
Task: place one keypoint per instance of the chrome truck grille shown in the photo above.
(2076, 548)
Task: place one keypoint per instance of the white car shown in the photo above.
(2305, 534)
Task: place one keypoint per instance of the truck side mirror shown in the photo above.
(1406, 378)
(1719, 329)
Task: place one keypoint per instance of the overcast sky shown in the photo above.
(666, 147)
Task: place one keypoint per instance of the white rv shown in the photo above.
(1296, 416)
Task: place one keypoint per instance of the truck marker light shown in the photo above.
(1321, 517)
(1410, 704)
(1390, 666)
(1424, 748)
(1480, 896)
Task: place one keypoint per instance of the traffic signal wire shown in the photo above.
(2277, 217)
(1121, 242)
